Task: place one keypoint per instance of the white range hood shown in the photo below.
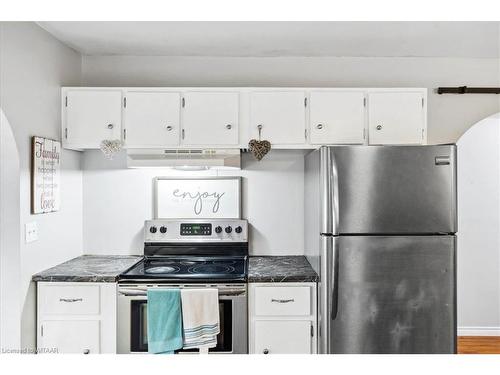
(184, 159)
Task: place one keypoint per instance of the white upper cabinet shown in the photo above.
(210, 118)
(396, 118)
(337, 117)
(200, 118)
(152, 119)
(91, 116)
(282, 116)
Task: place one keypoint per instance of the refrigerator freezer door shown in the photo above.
(393, 189)
(395, 295)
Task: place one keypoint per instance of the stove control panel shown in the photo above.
(170, 230)
(192, 229)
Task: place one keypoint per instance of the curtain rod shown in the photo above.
(468, 90)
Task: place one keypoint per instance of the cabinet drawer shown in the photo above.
(70, 299)
(294, 301)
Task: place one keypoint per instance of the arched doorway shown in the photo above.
(478, 247)
(10, 233)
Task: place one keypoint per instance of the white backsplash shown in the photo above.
(118, 200)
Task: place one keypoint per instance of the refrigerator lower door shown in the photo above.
(393, 294)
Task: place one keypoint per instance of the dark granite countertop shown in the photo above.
(276, 269)
(92, 268)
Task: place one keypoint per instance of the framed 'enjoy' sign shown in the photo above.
(45, 175)
(189, 198)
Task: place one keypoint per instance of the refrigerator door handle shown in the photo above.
(329, 192)
(328, 287)
(335, 278)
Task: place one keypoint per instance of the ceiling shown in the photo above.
(350, 39)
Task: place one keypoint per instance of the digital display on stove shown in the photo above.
(196, 229)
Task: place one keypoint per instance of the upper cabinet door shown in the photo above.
(152, 119)
(396, 118)
(282, 116)
(210, 118)
(91, 117)
(337, 117)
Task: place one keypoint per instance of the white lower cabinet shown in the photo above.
(76, 317)
(282, 318)
(282, 337)
(71, 336)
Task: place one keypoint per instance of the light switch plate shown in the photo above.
(31, 230)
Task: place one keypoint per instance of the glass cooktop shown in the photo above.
(189, 268)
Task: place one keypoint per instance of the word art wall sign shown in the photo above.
(197, 198)
(45, 175)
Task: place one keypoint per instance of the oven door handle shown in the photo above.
(144, 292)
(133, 293)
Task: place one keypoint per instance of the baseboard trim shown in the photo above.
(478, 331)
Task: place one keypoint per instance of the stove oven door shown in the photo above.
(132, 320)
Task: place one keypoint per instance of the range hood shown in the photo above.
(184, 159)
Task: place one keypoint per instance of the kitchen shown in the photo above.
(111, 211)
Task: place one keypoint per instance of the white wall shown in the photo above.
(118, 200)
(449, 115)
(478, 254)
(33, 67)
(10, 298)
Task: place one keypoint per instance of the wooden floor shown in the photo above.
(478, 344)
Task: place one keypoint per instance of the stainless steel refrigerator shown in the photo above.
(380, 224)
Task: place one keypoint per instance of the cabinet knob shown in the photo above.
(110, 126)
(265, 351)
(319, 126)
(86, 351)
(169, 128)
(379, 127)
(228, 127)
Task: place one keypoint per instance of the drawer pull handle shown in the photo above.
(70, 299)
(282, 300)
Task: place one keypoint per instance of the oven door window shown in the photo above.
(139, 328)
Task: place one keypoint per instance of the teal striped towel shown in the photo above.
(200, 316)
(164, 320)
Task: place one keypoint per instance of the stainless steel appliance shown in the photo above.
(191, 253)
(380, 224)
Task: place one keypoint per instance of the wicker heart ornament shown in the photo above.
(259, 149)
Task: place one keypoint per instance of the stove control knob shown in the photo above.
(152, 230)
(228, 229)
(218, 229)
(238, 229)
(163, 229)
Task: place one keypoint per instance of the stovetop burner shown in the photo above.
(213, 269)
(162, 269)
